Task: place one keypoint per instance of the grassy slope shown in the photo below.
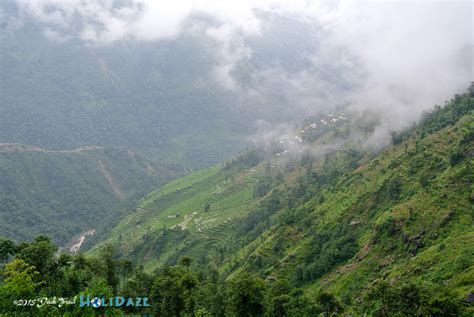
(229, 195)
(441, 213)
(403, 215)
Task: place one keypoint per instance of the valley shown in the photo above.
(236, 158)
(339, 223)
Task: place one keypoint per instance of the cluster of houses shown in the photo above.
(292, 140)
(331, 118)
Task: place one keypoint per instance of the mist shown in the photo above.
(282, 61)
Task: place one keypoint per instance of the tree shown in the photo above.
(442, 306)
(456, 157)
(284, 300)
(7, 248)
(394, 188)
(380, 293)
(138, 284)
(167, 294)
(98, 286)
(186, 261)
(280, 305)
(298, 275)
(328, 303)
(406, 299)
(396, 137)
(188, 283)
(20, 279)
(263, 187)
(125, 268)
(40, 254)
(245, 295)
(211, 296)
(64, 260)
(107, 255)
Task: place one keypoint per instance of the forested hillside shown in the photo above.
(67, 94)
(352, 230)
(160, 99)
(350, 221)
(62, 193)
(77, 95)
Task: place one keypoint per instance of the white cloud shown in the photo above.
(54, 35)
(160, 19)
(400, 57)
(415, 54)
(232, 51)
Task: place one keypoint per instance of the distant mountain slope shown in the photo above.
(159, 97)
(344, 220)
(61, 193)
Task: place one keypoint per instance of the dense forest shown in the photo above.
(353, 230)
(35, 271)
(123, 95)
(63, 193)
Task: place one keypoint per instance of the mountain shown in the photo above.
(62, 193)
(77, 95)
(323, 221)
(159, 99)
(342, 219)
(255, 158)
(64, 94)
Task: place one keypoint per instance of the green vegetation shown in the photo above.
(340, 222)
(348, 231)
(33, 271)
(77, 95)
(124, 94)
(62, 193)
(187, 215)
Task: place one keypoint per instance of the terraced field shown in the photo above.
(179, 208)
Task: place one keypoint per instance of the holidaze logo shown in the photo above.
(96, 302)
(117, 301)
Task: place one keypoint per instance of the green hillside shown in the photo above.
(344, 221)
(187, 214)
(318, 223)
(404, 216)
(121, 96)
(61, 193)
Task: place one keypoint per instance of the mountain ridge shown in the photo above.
(54, 186)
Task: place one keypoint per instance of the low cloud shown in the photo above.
(416, 54)
(395, 58)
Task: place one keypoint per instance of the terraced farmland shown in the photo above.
(178, 209)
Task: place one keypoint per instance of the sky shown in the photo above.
(399, 58)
